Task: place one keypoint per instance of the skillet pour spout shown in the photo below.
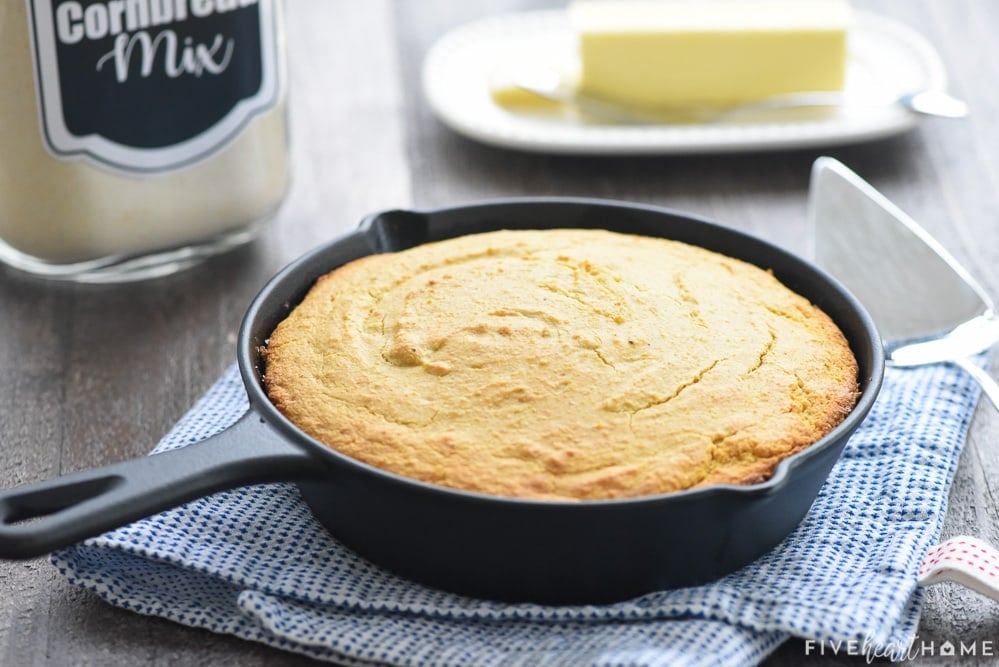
(550, 552)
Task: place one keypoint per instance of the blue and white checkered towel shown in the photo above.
(254, 563)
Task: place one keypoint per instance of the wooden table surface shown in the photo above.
(94, 375)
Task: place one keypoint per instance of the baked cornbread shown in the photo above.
(561, 364)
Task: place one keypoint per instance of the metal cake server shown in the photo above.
(927, 307)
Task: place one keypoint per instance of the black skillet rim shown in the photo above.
(248, 344)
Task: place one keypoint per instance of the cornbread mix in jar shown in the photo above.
(138, 136)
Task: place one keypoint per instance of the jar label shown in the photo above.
(151, 85)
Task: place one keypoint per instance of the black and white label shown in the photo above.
(151, 85)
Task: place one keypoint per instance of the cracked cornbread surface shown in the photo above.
(561, 364)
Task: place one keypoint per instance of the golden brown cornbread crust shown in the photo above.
(561, 364)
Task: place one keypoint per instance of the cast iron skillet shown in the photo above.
(478, 545)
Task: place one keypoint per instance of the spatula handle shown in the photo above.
(983, 379)
(963, 560)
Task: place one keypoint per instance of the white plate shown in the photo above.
(884, 56)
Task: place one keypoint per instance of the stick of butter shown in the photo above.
(648, 53)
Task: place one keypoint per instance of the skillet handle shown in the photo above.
(38, 518)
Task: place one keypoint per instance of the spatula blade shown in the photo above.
(912, 287)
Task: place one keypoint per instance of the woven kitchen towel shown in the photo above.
(254, 563)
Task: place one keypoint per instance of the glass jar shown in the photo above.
(138, 136)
